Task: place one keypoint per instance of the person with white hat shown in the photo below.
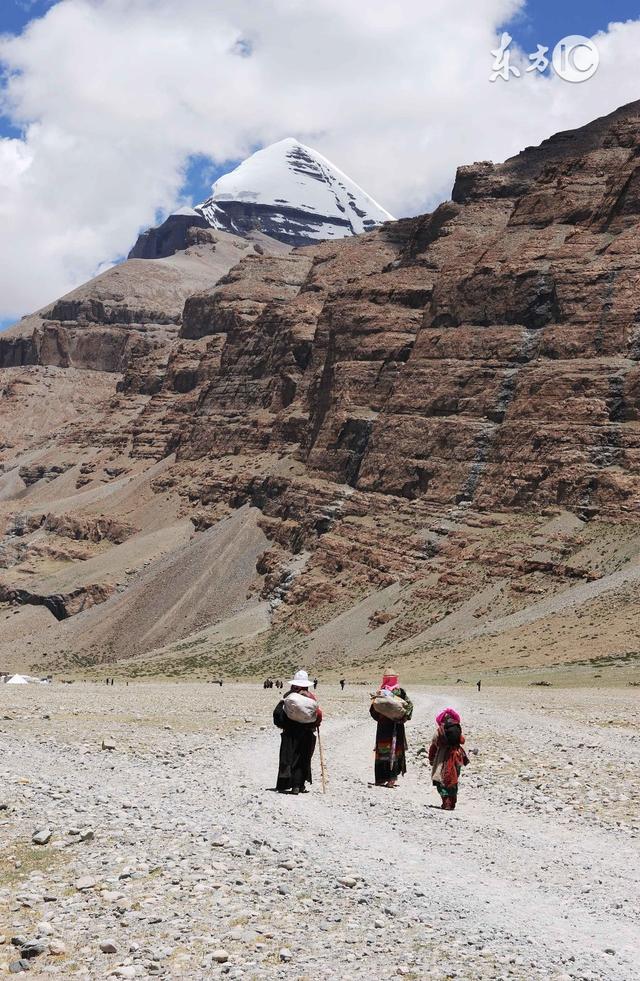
(298, 722)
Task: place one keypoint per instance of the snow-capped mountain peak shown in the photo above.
(290, 175)
(287, 191)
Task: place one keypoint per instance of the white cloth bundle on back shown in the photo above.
(300, 708)
(389, 705)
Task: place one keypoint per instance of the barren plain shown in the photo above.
(169, 855)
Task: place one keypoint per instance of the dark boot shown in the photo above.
(453, 801)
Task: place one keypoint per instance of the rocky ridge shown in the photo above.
(437, 422)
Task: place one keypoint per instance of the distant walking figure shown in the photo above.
(315, 683)
(298, 715)
(342, 683)
(479, 685)
(391, 741)
(447, 757)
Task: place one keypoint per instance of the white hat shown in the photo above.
(301, 680)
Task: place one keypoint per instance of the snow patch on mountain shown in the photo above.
(286, 191)
(289, 176)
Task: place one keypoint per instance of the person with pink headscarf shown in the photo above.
(391, 741)
(447, 757)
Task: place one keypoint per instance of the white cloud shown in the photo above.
(114, 95)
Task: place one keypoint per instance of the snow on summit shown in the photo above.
(293, 193)
(287, 191)
(293, 175)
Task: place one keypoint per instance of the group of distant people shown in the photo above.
(270, 683)
(299, 726)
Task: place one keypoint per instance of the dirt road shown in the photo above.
(534, 876)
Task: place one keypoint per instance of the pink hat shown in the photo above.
(390, 679)
(448, 713)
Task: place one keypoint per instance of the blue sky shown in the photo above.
(544, 22)
(16, 13)
(547, 21)
(388, 152)
(14, 17)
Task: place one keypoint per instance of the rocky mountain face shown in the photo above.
(129, 311)
(425, 439)
(286, 191)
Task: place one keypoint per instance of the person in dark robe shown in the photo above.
(391, 740)
(297, 741)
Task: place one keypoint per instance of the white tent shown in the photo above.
(22, 679)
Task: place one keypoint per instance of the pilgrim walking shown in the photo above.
(447, 757)
(391, 707)
(298, 716)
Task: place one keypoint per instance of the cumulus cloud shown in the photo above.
(112, 97)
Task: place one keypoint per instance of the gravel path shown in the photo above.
(170, 856)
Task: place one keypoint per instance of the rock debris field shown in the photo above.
(170, 856)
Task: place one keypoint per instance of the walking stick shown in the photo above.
(322, 766)
(394, 746)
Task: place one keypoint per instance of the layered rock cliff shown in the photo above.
(428, 434)
(133, 309)
(487, 353)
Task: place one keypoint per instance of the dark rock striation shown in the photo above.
(491, 356)
(406, 408)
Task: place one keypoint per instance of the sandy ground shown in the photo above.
(172, 851)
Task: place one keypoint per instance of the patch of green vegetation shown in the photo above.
(31, 858)
(628, 657)
(189, 645)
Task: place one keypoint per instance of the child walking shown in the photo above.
(447, 757)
